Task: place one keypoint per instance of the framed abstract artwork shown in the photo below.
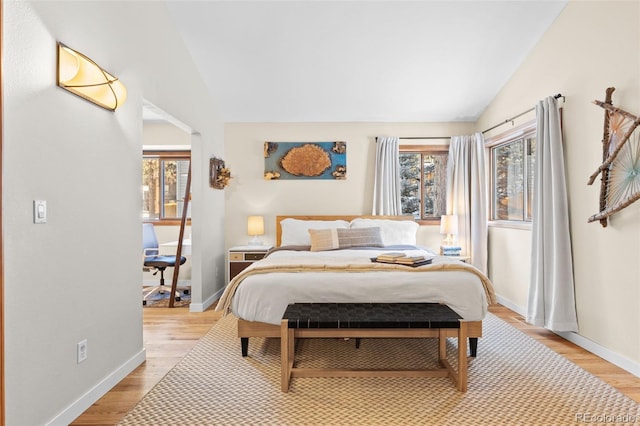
(305, 160)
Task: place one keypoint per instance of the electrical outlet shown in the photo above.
(82, 350)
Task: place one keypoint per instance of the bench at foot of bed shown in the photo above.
(373, 320)
(248, 329)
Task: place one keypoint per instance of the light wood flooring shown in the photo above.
(169, 334)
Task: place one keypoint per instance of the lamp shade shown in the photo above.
(81, 76)
(449, 224)
(255, 225)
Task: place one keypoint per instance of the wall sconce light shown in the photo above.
(255, 227)
(83, 77)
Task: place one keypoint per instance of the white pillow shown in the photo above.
(393, 232)
(295, 232)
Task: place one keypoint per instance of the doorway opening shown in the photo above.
(166, 158)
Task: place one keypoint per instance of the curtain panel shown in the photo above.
(386, 187)
(551, 302)
(467, 196)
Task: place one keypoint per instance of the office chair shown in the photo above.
(153, 260)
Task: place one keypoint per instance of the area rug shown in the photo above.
(515, 380)
(161, 300)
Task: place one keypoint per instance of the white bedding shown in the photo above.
(264, 297)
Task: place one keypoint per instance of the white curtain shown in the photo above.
(386, 189)
(467, 195)
(551, 301)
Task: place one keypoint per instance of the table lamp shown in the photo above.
(255, 227)
(449, 227)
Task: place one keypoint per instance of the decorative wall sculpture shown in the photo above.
(305, 160)
(219, 175)
(620, 168)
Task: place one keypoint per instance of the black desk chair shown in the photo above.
(153, 260)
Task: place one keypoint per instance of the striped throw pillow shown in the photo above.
(332, 239)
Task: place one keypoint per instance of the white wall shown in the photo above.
(78, 276)
(164, 133)
(250, 194)
(591, 46)
(509, 265)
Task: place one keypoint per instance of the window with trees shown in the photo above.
(512, 168)
(164, 179)
(423, 177)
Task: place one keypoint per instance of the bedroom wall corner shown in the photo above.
(591, 46)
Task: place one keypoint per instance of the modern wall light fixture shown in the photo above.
(81, 76)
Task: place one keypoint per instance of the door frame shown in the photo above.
(2, 322)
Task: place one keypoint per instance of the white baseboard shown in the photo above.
(613, 357)
(201, 307)
(98, 391)
(509, 304)
(596, 349)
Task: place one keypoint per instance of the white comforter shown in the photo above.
(264, 297)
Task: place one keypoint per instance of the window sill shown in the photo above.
(509, 224)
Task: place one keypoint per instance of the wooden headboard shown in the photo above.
(348, 218)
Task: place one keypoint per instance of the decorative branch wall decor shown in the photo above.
(620, 168)
(219, 175)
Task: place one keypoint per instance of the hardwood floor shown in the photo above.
(169, 334)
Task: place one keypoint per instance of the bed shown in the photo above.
(331, 259)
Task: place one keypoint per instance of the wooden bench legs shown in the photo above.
(287, 349)
(287, 355)
(460, 376)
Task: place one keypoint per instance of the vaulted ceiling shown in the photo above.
(394, 61)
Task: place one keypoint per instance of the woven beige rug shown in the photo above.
(514, 381)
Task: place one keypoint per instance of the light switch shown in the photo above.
(39, 211)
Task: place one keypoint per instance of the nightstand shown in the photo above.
(240, 257)
(460, 258)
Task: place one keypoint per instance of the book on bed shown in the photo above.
(402, 259)
(391, 256)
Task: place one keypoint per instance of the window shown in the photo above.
(423, 181)
(164, 179)
(512, 172)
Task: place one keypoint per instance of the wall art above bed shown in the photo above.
(305, 160)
